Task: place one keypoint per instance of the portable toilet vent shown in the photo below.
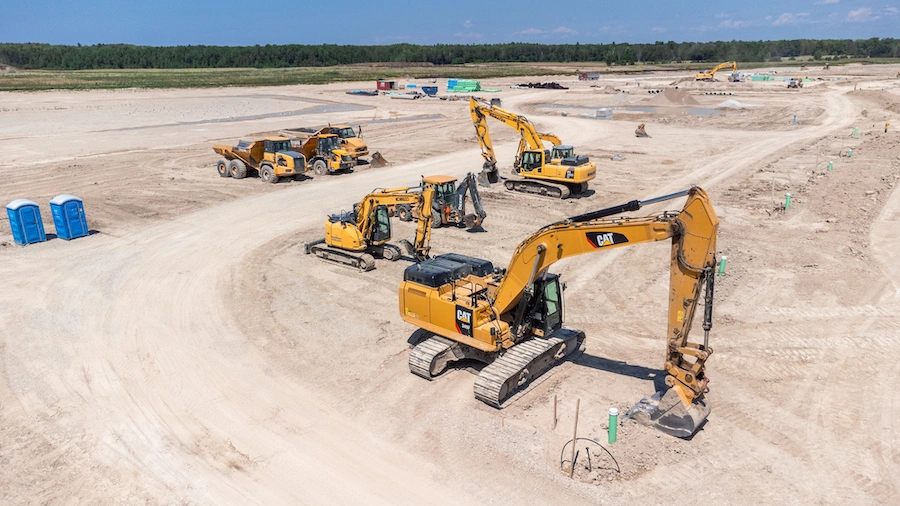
(68, 216)
(25, 222)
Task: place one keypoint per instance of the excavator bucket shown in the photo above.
(378, 160)
(667, 413)
(472, 221)
(488, 176)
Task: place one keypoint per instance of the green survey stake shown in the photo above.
(613, 424)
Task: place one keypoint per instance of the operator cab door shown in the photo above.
(553, 305)
(532, 160)
(381, 228)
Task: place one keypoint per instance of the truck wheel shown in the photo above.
(435, 220)
(222, 168)
(267, 174)
(320, 167)
(238, 169)
(404, 213)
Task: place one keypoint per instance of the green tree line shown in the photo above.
(125, 56)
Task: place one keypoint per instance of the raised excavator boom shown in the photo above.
(710, 75)
(557, 173)
(512, 319)
(359, 236)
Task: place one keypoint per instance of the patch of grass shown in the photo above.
(36, 80)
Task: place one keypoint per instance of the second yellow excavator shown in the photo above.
(359, 236)
(555, 173)
(711, 74)
(512, 319)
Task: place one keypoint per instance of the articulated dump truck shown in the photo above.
(273, 158)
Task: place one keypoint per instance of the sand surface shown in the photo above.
(188, 352)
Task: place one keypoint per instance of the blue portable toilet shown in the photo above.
(25, 222)
(68, 216)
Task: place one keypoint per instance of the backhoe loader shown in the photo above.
(512, 319)
(359, 236)
(449, 204)
(711, 74)
(555, 173)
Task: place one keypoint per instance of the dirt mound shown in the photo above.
(884, 99)
(672, 96)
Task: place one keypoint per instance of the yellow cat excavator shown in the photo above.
(711, 74)
(512, 319)
(555, 173)
(359, 236)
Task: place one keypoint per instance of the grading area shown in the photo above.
(189, 352)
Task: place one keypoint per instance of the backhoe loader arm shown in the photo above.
(693, 233)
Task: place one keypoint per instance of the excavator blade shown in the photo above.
(410, 249)
(667, 413)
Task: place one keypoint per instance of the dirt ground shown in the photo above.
(188, 352)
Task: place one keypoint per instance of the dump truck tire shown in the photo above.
(267, 174)
(238, 169)
(404, 213)
(222, 168)
(320, 167)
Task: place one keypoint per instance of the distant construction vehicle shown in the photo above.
(795, 82)
(556, 173)
(449, 202)
(352, 144)
(711, 74)
(512, 319)
(360, 236)
(325, 153)
(273, 158)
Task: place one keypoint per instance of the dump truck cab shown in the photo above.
(354, 146)
(325, 154)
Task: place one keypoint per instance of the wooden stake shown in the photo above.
(554, 412)
(574, 438)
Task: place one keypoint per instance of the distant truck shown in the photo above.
(324, 153)
(795, 82)
(272, 158)
(352, 144)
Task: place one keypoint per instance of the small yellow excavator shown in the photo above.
(555, 173)
(359, 236)
(710, 75)
(512, 319)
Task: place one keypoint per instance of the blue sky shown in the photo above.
(238, 23)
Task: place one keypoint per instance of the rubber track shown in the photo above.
(422, 356)
(506, 369)
(340, 256)
(523, 185)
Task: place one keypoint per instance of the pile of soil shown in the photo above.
(672, 96)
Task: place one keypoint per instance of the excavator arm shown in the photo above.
(530, 137)
(693, 234)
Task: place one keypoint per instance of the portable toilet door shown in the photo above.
(68, 216)
(25, 222)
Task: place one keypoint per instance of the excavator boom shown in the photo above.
(506, 310)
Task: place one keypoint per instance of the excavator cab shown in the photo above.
(561, 151)
(532, 160)
(381, 225)
(548, 315)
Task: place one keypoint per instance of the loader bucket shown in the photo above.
(472, 221)
(667, 413)
(488, 176)
(378, 160)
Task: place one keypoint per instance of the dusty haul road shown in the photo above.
(189, 352)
